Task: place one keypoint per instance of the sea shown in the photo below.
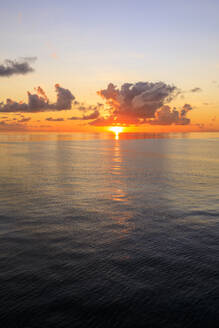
(102, 231)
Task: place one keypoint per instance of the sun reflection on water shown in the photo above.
(119, 194)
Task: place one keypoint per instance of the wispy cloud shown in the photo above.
(24, 120)
(60, 119)
(13, 126)
(197, 89)
(92, 116)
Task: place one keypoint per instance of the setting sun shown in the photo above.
(116, 130)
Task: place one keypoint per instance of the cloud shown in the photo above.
(186, 108)
(42, 93)
(16, 67)
(132, 103)
(29, 59)
(60, 119)
(25, 119)
(13, 122)
(140, 103)
(141, 99)
(94, 115)
(167, 116)
(196, 90)
(13, 126)
(74, 118)
(64, 98)
(84, 108)
(39, 102)
(91, 116)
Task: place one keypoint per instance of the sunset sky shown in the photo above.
(89, 65)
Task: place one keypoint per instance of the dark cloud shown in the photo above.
(60, 119)
(186, 108)
(139, 100)
(15, 67)
(64, 98)
(25, 119)
(84, 108)
(39, 102)
(91, 116)
(74, 118)
(12, 126)
(133, 103)
(94, 115)
(140, 103)
(14, 121)
(167, 116)
(196, 90)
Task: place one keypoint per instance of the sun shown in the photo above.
(117, 130)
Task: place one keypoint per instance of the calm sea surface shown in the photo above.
(109, 233)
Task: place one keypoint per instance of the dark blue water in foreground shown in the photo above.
(109, 233)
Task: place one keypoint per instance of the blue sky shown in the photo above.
(125, 34)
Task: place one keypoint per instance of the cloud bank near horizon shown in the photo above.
(142, 103)
(131, 104)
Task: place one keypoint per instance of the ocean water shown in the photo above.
(99, 232)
